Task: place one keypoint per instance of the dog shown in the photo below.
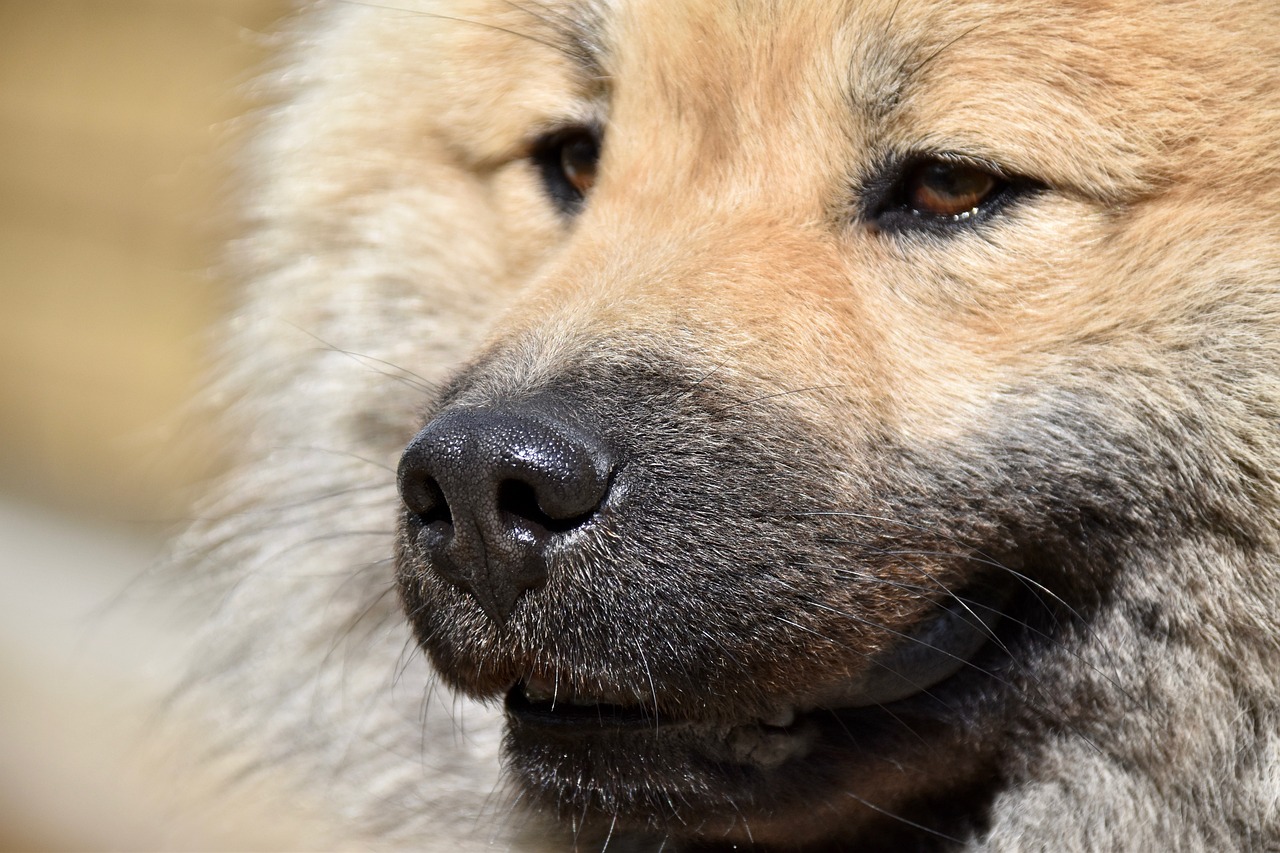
(672, 424)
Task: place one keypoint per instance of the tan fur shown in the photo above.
(398, 233)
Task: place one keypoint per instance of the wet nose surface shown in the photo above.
(492, 490)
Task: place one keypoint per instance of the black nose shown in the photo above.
(491, 491)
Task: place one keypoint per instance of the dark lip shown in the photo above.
(565, 717)
(626, 730)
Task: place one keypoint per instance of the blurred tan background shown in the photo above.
(113, 117)
(116, 121)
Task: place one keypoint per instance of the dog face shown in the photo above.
(864, 403)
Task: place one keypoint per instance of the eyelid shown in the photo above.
(881, 191)
(888, 176)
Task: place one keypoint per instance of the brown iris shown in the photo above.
(579, 154)
(950, 190)
(568, 161)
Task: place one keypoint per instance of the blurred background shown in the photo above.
(117, 118)
(113, 119)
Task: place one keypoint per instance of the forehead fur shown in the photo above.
(1123, 87)
(1099, 97)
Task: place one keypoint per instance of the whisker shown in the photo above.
(902, 819)
(653, 688)
(609, 835)
(870, 658)
(1016, 689)
(558, 48)
(763, 397)
(401, 374)
(922, 64)
(346, 633)
(333, 451)
(1020, 622)
(1036, 588)
(703, 378)
(1032, 585)
(275, 508)
(969, 604)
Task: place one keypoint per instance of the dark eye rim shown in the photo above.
(545, 153)
(886, 195)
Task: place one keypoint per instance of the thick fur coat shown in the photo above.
(884, 323)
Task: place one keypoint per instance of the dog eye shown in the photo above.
(939, 194)
(578, 157)
(947, 190)
(568, 160)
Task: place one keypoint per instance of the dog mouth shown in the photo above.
(686, 658)
(539, 703)
(935, 650)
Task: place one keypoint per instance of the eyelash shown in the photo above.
(894, 195)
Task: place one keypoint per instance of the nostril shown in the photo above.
(491, 493)
(425, 499)
(519, 500)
